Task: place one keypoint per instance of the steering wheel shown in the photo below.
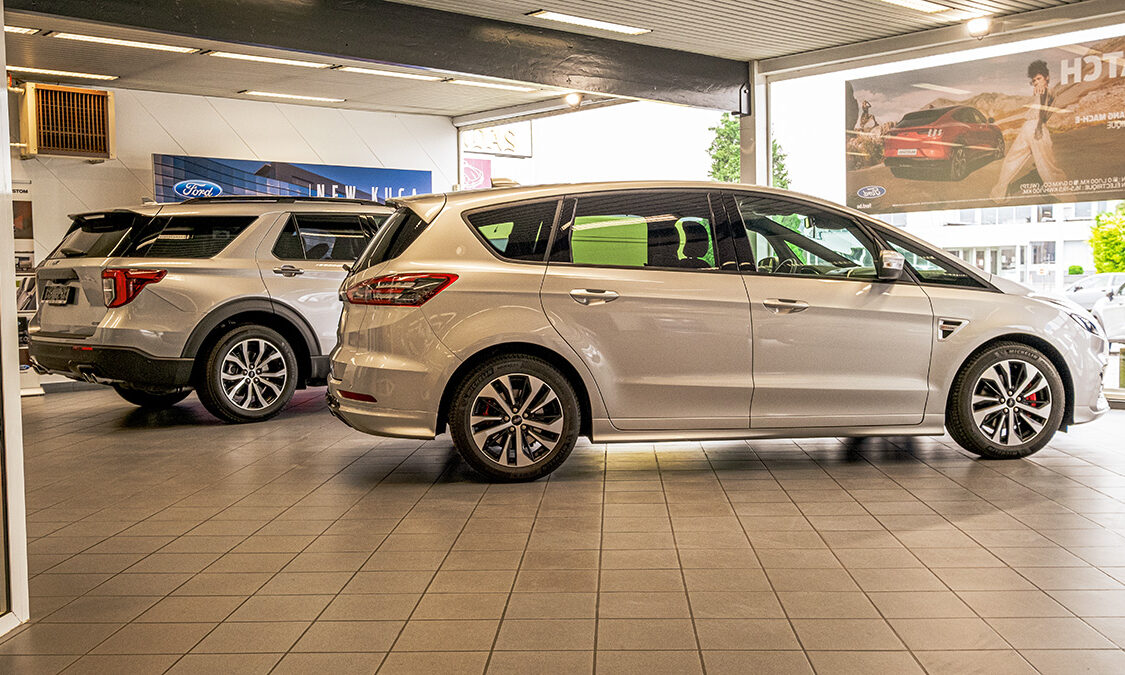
(808, 269)
(788, 261)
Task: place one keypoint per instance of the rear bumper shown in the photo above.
(370, 418)
(95, 363)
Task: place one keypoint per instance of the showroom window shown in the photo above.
(520, 231)
(665, 230)
(311, 236)
(784, 238)
(929, 267)
(185, 236)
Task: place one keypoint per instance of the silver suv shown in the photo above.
(235, 297)
(523, 318)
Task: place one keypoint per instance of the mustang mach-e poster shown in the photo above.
(179, 177)
(1029, 128)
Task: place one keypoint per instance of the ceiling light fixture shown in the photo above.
(573, 99)
(387, 73)
(593, 23)
(297, 97)
(491, 85)
(269, 59)
(979, 27)
(124, 43)
(59, 73)
(20, 31)
(920, 5)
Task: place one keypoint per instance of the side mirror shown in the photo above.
(889, 264)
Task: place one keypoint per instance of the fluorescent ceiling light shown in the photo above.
(387, 73)
(938, 87)
(920, 5)
(492, 85)
(594, 23)
(20, 31)
(124, 43)
(271, 94)
(269, 59)
(60, 73)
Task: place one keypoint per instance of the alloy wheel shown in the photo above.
(516, 420)
(1011, 402)
(253, 374)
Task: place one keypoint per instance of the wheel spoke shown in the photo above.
(516, 420)
(482, 437)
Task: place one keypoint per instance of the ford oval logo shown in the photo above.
(871, 191)
(189, 189)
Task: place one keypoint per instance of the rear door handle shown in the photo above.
(593, 296)
(785, 305)
(288, 270)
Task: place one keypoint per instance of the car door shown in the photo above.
(833, 345)
(635, 285)
(304, 266)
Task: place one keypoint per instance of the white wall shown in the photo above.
(151, 122)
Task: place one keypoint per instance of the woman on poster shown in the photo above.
(1033, 144)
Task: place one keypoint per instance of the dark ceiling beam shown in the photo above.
(373, 30)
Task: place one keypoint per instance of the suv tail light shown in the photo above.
(121, 285)
(403, 290)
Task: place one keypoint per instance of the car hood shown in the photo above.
(1015, 288)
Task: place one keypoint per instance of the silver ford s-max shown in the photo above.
(522, 318)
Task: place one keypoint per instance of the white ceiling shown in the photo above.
(210, 76)
(742, 29)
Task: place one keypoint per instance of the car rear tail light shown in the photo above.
(121, 285)
(403, 290)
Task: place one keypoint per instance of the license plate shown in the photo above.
(57, 294)
(907, 152)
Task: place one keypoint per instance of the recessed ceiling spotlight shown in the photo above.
(573, 99)
(20, 31)
(60, 73)
(589, 23)
(979, 27)
(296, 97)
(125, 43)
(269, 59)
(387, 73)
(492, 85)
(920, 5)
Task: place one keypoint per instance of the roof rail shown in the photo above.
(279, 199)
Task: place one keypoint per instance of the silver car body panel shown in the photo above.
(874, 357)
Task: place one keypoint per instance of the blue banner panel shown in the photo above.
(180, 177)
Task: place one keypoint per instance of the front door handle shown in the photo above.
(785, 305)
(593, 296)
(288, 270)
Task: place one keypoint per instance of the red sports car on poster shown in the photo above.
(949, 142)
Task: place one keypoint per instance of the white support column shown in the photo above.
(753, 132)
(15, 514)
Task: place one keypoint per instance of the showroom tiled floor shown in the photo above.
(169, 542)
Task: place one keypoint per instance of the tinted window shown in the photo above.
(185, 236)
(519, 232)
(922, 117)
(97, 235)
(930, 267)
(780, 236)
(673, 230)
(395, 236)
(323, 237)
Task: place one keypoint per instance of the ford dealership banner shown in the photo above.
(1029, 128)
(180, 177)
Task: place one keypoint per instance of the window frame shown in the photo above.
(719, 227)
(947, 258)
(558, 199)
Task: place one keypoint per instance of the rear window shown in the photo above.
(185, 236)
(392, 240)
(921, 118)
(97, 235)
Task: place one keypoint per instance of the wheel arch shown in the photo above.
(507, 348)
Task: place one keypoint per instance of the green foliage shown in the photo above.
(1107, 239)
(726, 155)
(1075, 269)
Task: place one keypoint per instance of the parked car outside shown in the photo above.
(949, 142)
(1109, 311)
(1088, 290)
(519, 319)
(234, 297)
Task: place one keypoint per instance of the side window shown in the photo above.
(519, 231)
(930, 267)
(186, 236)
(779, 236)
(309, 236)
(670, 230)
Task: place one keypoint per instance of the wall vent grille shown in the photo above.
(67, 121)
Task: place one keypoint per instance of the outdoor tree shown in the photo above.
(725, 152)
(1107, 239)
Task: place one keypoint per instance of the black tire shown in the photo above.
(973, 436)
(958, 164)
(151, 400)
(521, 368)
(260, 400)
